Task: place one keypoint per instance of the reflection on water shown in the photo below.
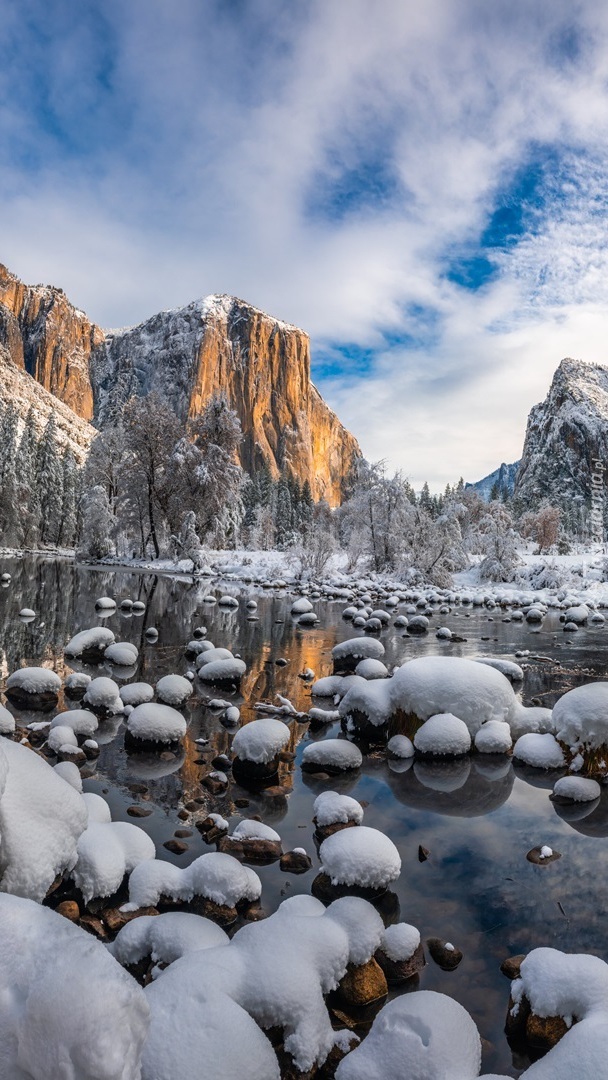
(478, 817)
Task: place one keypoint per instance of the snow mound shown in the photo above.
(473, 692)
(370, 668)
(494, 738)
(7, 721)
(364, 857)
(41, 819)
(136, 693)
(360, 648)
(577, 789)
(103, 694)
(97, 639)
(580, 717)
(330, 807)
(248, 829)
(121, 653)
(431, 1032)
(443, 735)
(81, 722)
(165, 938)
(106, 852)
(260, 741)
(534, 719)
(219, 671)
(156, 723)
(69, 1010)
(540, 751)
(507, 667)
(34, 680)
(173, 690)
(335, 753)
(370, 698)
(193, 1024)
(215, 875)
(400, 746)
(400, 941)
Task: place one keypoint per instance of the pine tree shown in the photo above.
(9, 506)
(97, 523)
(28, 492)
(284, 514)
(67, 525)
(49, 480)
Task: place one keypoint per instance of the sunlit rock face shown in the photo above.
(50, 339)
(186, 355)
(263, 366)
(565, 433)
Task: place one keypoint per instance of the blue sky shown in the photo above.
(422, 187)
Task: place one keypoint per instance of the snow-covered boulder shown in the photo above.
(580, 719)
(41, 820)
(431, 1032)
(257, 746)
(7, 721)
(494, 738)
(539, 751)
(33, 687)
(332, 812)
(443, 735)
(173, 690)
(76, 684)
(370, 668)
(360, 859)
(106, 852)
(103, 697)
(165, 938)
(347, 654)
(399, 746)
(576, 789)
(332, 756)
(573, 987)
(154, 723)
(81, 721)
(121, 653)
(69, 1010)
(215, 876)
(225, 673)
(473, 692)
(106, 603)
(90, 645)
(136, 693)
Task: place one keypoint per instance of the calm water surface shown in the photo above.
(477, 817)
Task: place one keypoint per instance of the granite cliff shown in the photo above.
(565, 433)
(186, 355)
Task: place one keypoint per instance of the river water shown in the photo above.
(478, 817)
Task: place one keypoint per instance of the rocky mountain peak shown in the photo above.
(218, 343)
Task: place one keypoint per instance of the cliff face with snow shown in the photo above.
(186, 355)
(565, 433)
(501, 480)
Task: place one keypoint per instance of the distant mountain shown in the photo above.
(502, 480)
(186, 355)
(565, 433)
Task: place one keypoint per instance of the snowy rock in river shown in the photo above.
(332, 756)
(151, 722)
(443, 735)
(33, 687)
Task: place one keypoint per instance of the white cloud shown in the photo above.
(178, 153)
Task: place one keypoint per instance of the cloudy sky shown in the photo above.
(421, 186)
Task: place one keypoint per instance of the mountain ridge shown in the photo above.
(216, 344)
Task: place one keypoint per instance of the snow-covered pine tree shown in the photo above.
(96, 524)
(284, 514)
(28, 495)
(9, 506)
(66, 536)
(49, 480)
